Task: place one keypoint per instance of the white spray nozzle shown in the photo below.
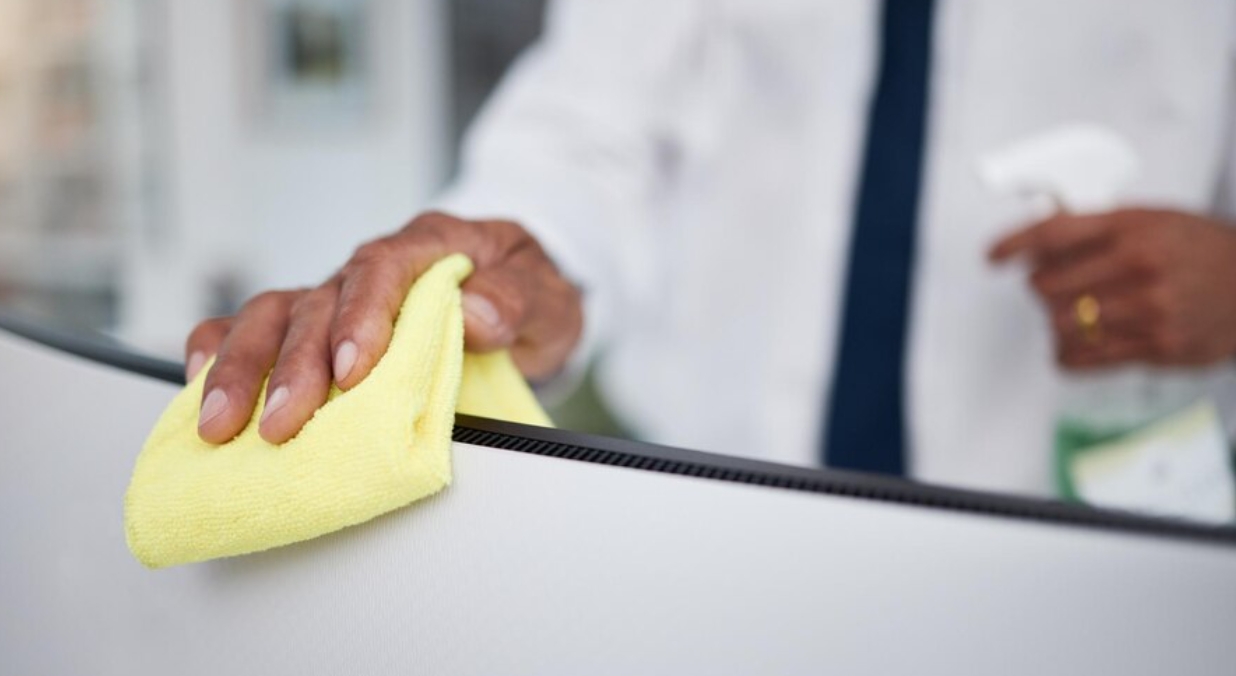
(1080, 167)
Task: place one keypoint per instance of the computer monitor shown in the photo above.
(561, 553)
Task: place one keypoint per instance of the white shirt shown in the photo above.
(693, 163)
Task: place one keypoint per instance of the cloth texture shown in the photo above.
(375, 448)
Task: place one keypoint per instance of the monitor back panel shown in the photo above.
(540, 565)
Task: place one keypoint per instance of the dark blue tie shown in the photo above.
(866, 427)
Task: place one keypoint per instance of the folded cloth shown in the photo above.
(377, 447)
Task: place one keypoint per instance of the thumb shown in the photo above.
(494, 309)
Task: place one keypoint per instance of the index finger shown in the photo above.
(376, 281)
(1056, 237)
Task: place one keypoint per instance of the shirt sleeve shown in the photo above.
(572, 143)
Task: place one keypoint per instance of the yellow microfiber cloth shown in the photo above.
(377, 447)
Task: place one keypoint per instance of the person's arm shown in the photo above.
(575, 140)
(569, 146)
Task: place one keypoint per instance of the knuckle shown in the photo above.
(267, 301)
(509, 230)
(206, 329)
(313, 303)
(430, 220)
(496, 235)
(438, 233)
(370, 253)
(373, 261)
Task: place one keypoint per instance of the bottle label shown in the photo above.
(1180, 466)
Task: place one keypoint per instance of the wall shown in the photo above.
(247, 202)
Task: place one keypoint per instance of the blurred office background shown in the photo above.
(162, 160)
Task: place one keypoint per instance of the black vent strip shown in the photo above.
(92, 346)
(580, 447)
(641, 456)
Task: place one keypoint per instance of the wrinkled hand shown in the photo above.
(1165, 283)
(514, 299)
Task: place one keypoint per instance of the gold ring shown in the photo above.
(1088, 312)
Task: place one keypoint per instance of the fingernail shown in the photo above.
(274, 402)
(196, 360)
(480, 309)
(214, 406)
(345, 360)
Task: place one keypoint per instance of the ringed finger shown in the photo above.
(1110, 352)
(1125, 315)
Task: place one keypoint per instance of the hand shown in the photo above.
(514, 299)
(1165, 283)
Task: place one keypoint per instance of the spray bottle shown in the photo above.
(1082, 168)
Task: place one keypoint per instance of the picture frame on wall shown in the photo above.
(307, 64)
